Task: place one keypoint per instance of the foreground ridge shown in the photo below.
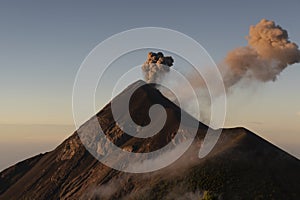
(241, 166)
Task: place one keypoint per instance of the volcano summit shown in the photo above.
(241, 165)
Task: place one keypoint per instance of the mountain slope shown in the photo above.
(241, 166)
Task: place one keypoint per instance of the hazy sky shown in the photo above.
(43, 43)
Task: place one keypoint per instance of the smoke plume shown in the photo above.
(156, 66)
(268, 53)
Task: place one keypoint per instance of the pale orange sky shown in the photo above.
(44, 43)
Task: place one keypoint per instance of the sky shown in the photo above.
(43, 44)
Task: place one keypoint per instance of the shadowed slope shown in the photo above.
(241, 166)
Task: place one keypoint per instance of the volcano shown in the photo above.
(242, 165)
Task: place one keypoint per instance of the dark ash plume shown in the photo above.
(156, 66)
(268, 53)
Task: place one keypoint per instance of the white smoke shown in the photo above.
(268, 53)
(106, 191)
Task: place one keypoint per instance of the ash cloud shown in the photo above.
(156, 66)
(267, 54)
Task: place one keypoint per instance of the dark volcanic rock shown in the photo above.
(241, 166)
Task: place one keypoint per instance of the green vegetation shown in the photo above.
(209, 196)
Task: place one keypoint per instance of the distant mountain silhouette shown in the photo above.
(241, 166)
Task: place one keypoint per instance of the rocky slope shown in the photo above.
(241, 166)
